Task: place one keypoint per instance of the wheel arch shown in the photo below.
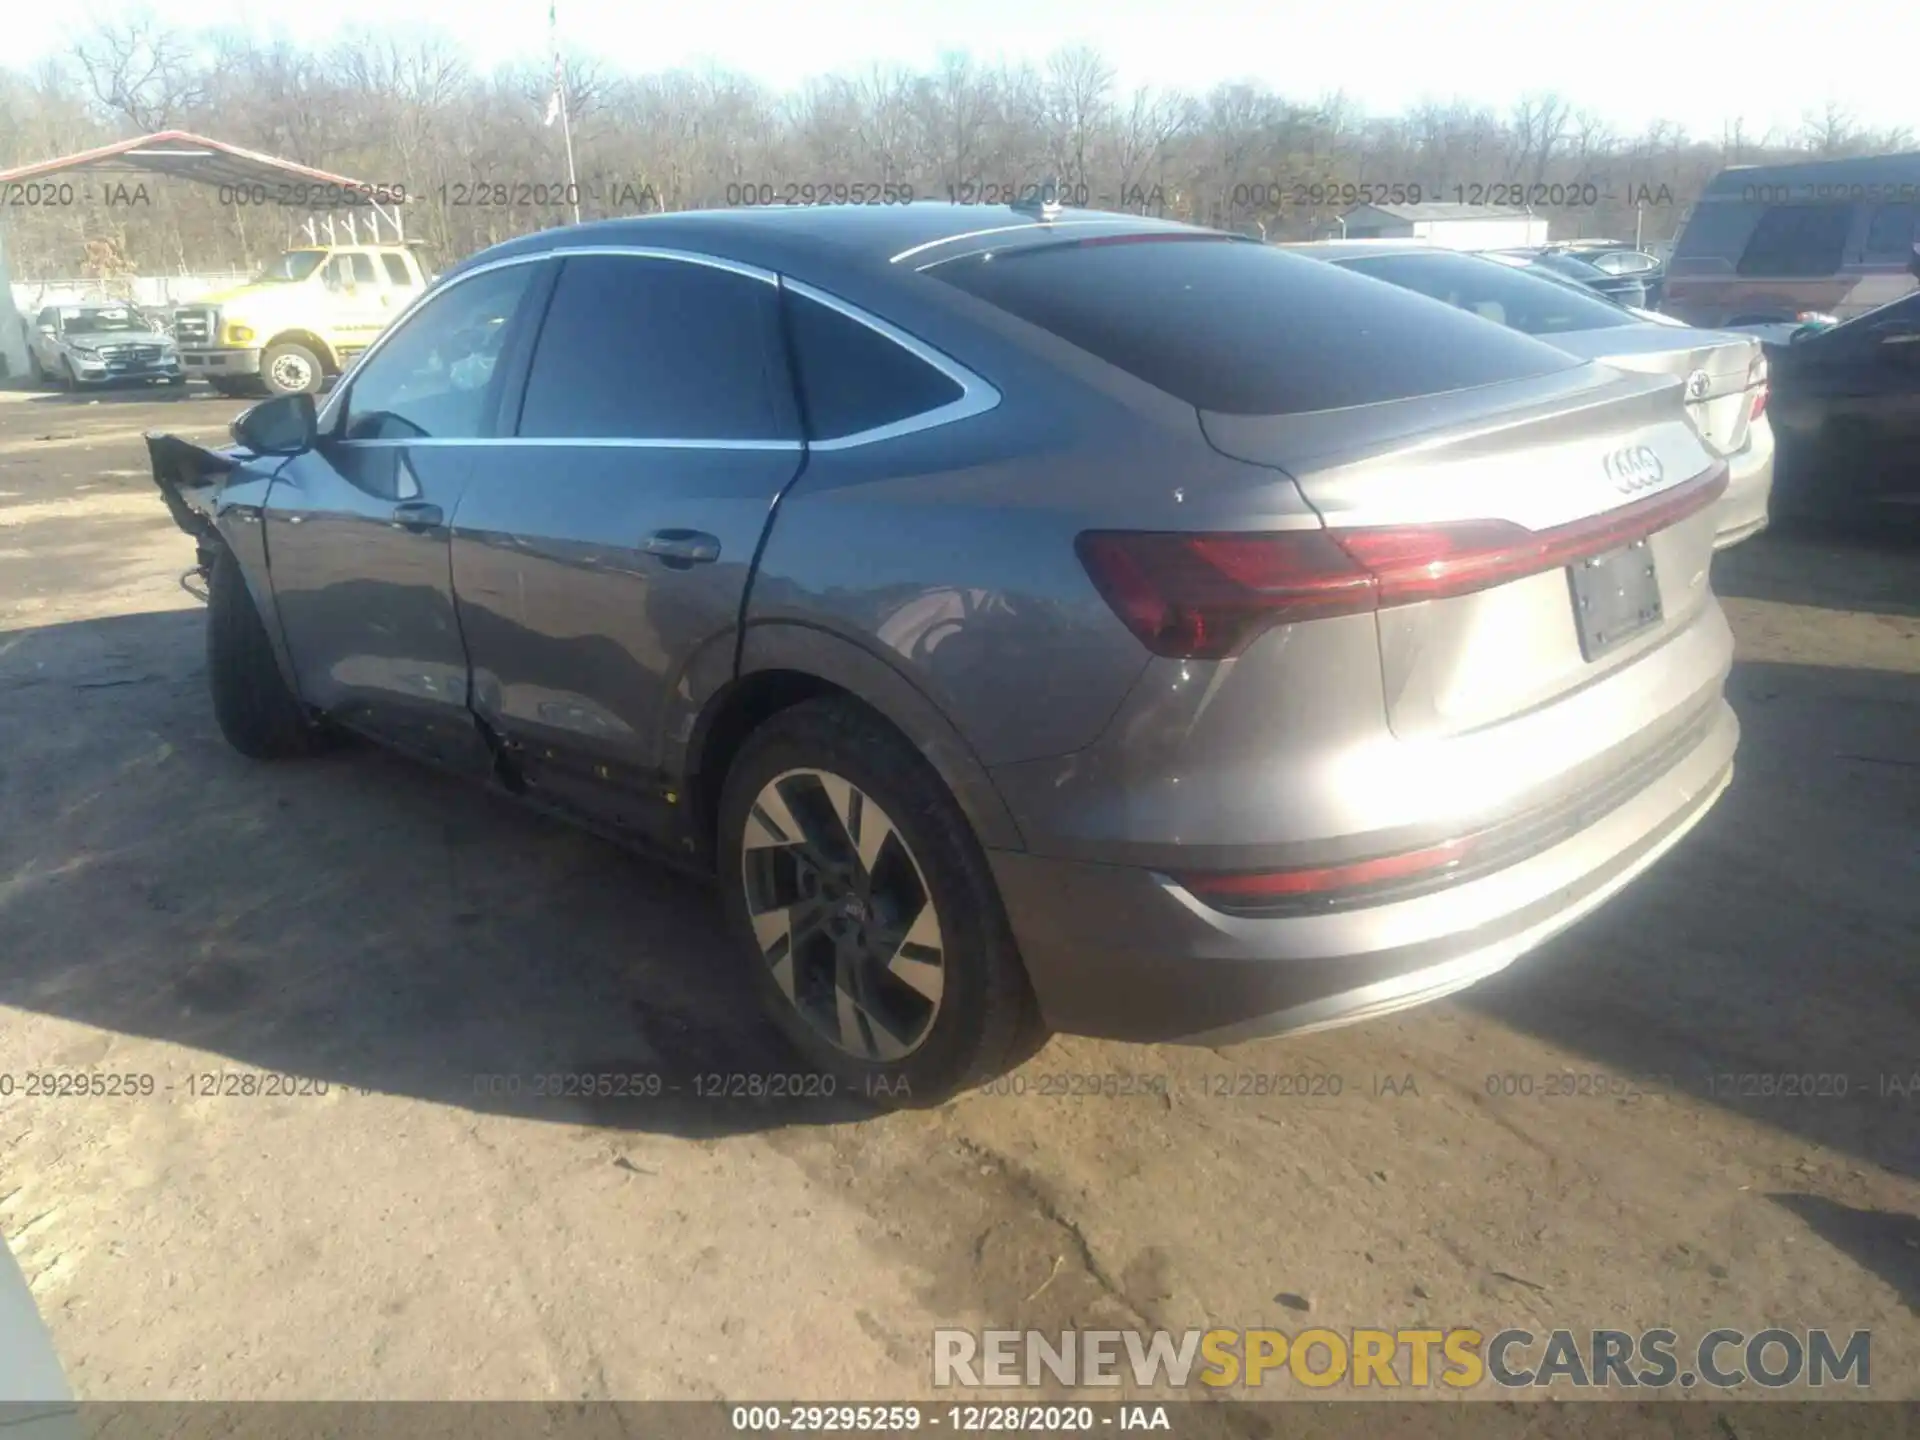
(329, 362)
(240, 527)
(783, 664)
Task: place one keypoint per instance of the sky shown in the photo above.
(1702, 66)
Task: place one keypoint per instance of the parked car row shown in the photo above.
(1622, 289)
(1724, 375)
(1785, 255)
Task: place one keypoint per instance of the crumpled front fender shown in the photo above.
(219, 497)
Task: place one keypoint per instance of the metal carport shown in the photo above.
(181, 155)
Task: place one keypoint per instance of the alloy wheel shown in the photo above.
(842, 914)
(291, 374)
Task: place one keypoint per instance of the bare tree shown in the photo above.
(1078, 98)
(1828, 132)
(479, 162)
(137, 70)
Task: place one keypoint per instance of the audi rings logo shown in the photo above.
(1634, 468)
(1698, 384)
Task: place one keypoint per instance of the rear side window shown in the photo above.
(396, 270)
(853, 378)
(642, 349)
(1241, 328)
(1798, 240)
(1892, 231)
(1715, 236)
(1495, 292)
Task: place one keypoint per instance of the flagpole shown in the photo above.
(566, 133)
(560, 94)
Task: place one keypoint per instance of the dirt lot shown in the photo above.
(169, 909)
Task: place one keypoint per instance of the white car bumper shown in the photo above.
(1742, 512)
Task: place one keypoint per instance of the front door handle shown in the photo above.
(417, 515)
(682, 549)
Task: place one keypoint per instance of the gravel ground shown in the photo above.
(168, 909)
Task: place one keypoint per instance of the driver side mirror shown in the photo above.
(284, 425)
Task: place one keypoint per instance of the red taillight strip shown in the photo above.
(1527, 552)
(1197, 595)
(1281, 884)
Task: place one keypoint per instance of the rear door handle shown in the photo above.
(681, 549)
(417, 515)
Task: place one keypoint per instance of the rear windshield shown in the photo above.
(1241, 328)
(1572, 266)
(1495, 292)
(1716, 231)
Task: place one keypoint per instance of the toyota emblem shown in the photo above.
(1698, 384)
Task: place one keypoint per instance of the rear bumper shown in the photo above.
(220, 362)
(1742, 511)
(1125, 952)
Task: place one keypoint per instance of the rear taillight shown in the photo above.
(1275, 885)
(1204, 596)
(1757, 382)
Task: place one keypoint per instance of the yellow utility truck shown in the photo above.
(299, 321)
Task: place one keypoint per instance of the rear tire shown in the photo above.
(256, 711)
(287, 368)
(927, 900)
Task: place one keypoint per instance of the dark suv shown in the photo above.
(1773, 243)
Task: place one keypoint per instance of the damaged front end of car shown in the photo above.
(191, 478)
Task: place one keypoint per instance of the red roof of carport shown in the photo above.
(184, 156)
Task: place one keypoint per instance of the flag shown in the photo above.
(558, 98)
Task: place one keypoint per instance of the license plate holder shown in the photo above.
(1616, 595)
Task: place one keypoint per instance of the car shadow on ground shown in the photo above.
(1768, 964)
(355, 918)
(1882, 1242)
(359, 920)
(1823, 565)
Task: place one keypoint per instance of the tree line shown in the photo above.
(479, 160)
